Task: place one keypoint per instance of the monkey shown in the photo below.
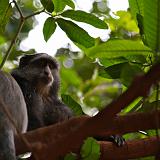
(12, 100)
(38, 78)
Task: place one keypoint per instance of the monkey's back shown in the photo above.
(13, 98)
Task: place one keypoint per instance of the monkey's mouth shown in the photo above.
(47, 80)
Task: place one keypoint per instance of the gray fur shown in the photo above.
(43, 105)
(12, 97)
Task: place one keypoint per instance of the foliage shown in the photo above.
(90, 149)
(70, 156)
(5, 14)
(68, 100)
(98, 73)
(49, 28)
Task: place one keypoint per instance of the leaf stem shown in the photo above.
(34, 14)
(12, 44)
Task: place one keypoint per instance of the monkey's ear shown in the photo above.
(25, 60)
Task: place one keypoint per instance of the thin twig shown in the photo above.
(34, 14)
(19, 10)
(22, 21)
(12, 43)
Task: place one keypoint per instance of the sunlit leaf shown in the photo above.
(49, 28)
(70, 102)
(90, 149)
(69, 3)
(59, 5)
(136, 7)
(75, 33)
(5, 12)
(82, 16)
(133, 107)
(124, 22)
(152, 23)
(118, 48)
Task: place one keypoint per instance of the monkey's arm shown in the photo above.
(56, 111)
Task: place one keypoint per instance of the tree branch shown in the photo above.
(12, 43)
(63, 138)
(131, 150)
(139, 87)
(59, 131)
(22, 21)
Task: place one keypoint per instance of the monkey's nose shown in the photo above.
(46, 73)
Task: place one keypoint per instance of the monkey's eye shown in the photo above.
(51, 66)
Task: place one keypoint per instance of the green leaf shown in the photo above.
(140, 59)
(69, 3)
(75, 33)
(85, 17)
(140, 24)
(59, 5)
(149, 107)
(118, 48)
(129, 72)
(90, 149)
(112, 61)
(134, 106)
(48, 5)
(5, 12)
(136, 7)
(70, 102)
(112, 72)
(70, 76)
(70, 156)
(152, 23)
(49, 28)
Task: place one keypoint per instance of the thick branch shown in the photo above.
(58, 131)
(131, 150)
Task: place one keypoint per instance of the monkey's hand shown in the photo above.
(117, 139)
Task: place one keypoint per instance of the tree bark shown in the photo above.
(131, 150)
(43, 136)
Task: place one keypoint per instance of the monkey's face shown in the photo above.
(41, 71)
(44, 70)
